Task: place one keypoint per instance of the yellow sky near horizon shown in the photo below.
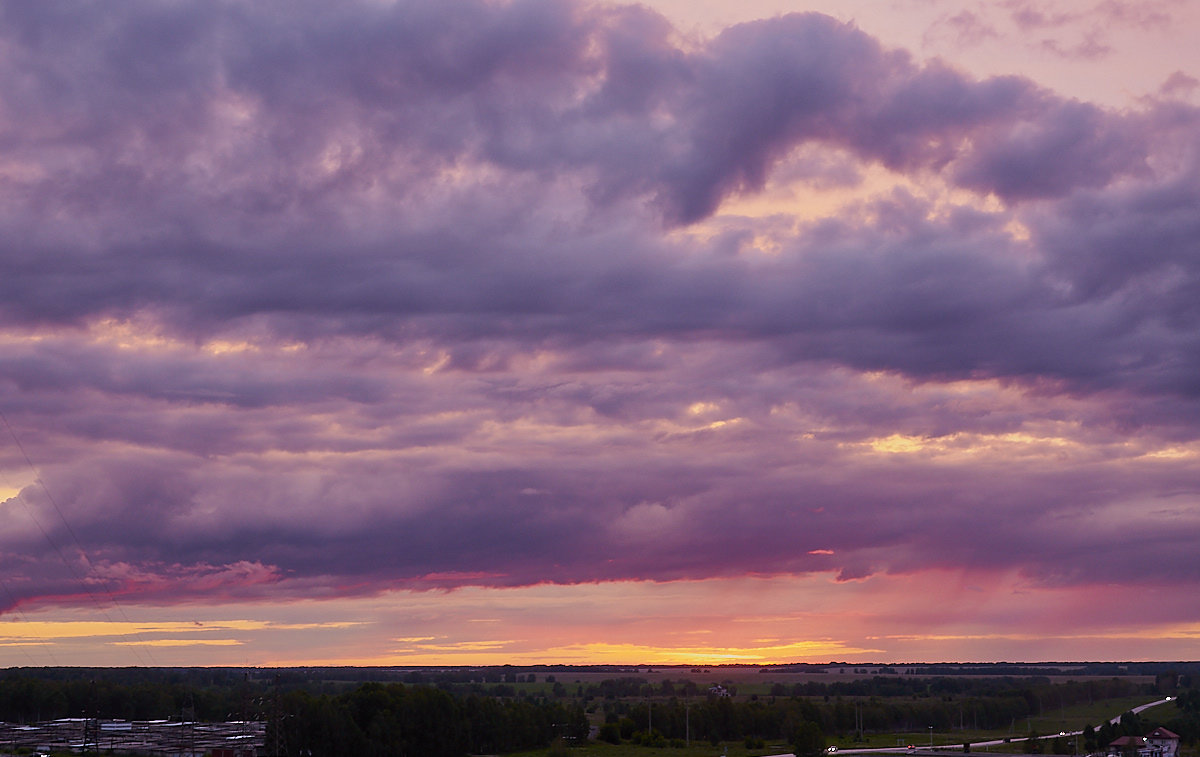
(759, 620)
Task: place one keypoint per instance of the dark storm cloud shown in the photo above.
(346, 297)
(230, 182)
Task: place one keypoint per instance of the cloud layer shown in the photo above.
(302, 300)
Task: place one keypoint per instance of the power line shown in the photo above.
(78, 546)
(13, 601)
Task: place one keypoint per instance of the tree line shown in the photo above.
(398, 720)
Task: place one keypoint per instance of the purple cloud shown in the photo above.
(316, 299)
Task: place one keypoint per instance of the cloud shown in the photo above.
(1085, 32)
(965, 28)
(1178, 84)
(1089, 48)
(321, 301)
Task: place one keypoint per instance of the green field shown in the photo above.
(1051, 722)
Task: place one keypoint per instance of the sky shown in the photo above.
(546, 331)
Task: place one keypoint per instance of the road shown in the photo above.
(996, 742)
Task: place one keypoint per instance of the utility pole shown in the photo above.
(687, 723)
(188, 727)
(91, 723)
(277, 719)
(91, 734)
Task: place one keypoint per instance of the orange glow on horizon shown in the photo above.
(603, 653)
(181, 643)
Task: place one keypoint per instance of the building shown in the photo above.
(1131, 746)
(158, 737)
(1165, 741)
(1158, 743)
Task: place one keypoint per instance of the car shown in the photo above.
(830, 749)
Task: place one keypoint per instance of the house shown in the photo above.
(1128, 746)
(1165, 741)
(1158, 743)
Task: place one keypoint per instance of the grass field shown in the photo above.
(1067, 719)
(1053, 721)
(1075, 718)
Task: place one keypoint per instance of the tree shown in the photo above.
(1131, 724)
(808, 740)
(610, 732)
(1166, 683)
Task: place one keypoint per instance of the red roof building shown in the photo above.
(1165, 740)
(1158, 743)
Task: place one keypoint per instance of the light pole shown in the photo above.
(931, 737)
